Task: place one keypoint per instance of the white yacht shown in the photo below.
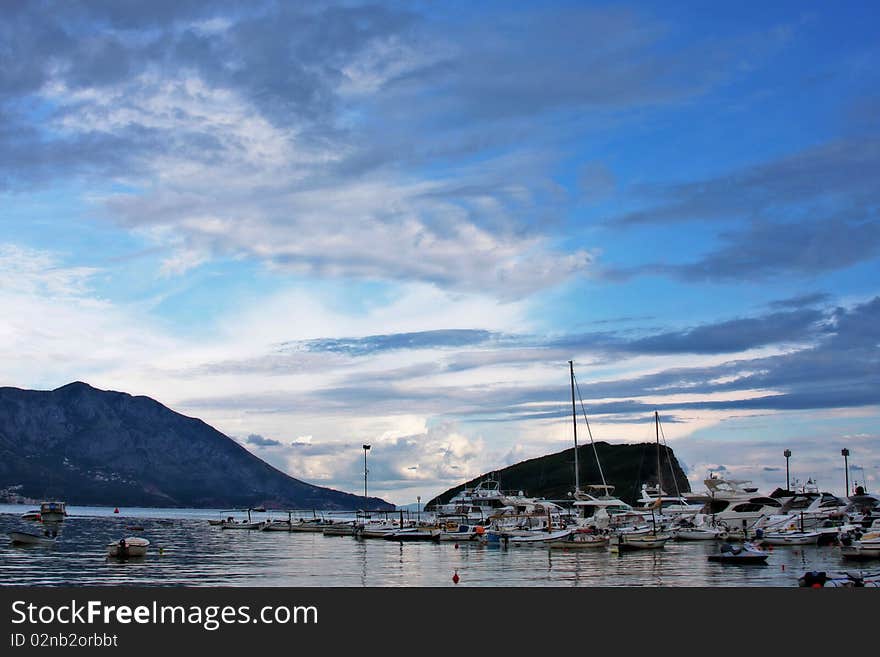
(600, 509)
(477, 503)
(807, 510)
(735, 506)
(670, 505)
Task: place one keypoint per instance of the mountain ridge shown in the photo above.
(92, 446)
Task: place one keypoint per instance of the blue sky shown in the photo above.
(318, 226)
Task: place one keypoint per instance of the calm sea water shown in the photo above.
(197, 554)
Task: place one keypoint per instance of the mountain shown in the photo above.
(89, 446)
(625, 466)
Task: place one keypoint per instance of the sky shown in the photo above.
(320, 225)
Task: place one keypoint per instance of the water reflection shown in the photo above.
(187, 551)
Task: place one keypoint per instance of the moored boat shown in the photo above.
(822, 579)
(748, 553)
(414, 534)
(308, 525)
(629, 541)
(539, 538)
(276, 526)
(53, 511)
(790, 538)
(699, 533)
(243, 524)
(860, 552)
(128, 547)
(459, 533)
(339, 528)
(33, 516)
(581, 539)
(26, 538)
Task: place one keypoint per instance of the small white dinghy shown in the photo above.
(790, 538)
(26, 538)
(698, 533)
(629, 541)
(580, 539)
(749, 553)
(128, 547)
(536, 537)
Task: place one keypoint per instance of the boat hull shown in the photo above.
(413, 536)
(747, 554)
(581, 542)
(631, 542)
(307, 527)
(860, 552)
(25, 538)
(699, 535)
(133, 547)
(732, 559)
(280, 526)
(810, 538)
(540, 538)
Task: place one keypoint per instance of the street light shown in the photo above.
(366, 449)
(787, 455)
(845, 454)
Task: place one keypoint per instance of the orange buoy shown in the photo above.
(455, 577)
(116, 510)
(815, 585)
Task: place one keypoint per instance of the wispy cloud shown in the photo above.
(811, 212)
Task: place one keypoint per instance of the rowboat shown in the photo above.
(414, 534)
(790, 538)
(698, 533)
(580, 540)
(310, 525)
(749, 553)
(539, 538)
(244, 524)
(276, 526)
(339, 529)
(26, 538)
(128, 547)
(629, 541)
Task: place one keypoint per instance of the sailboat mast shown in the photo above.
(657, 431)
(574, 424)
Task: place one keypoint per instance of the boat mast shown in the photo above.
(657, 431)
(659, 487)
(577, 480)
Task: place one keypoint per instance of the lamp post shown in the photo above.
(845, 454)
(787, 455)
(366, 449)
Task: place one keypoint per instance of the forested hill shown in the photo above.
(626, 467)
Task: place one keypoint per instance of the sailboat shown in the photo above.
(641, 540)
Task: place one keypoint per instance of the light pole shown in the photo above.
(845, 454)
(419, 507)
(787, 455)
(366, 449)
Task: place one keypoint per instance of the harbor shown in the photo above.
(188, 548)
